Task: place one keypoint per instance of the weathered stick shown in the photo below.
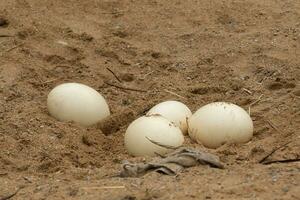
(9, 196)
(125, 88)
(113, 73)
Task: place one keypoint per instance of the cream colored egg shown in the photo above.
(174, 111)
(153, 127)
(77, 102)
(218, 123)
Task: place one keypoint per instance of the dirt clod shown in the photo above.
(3, 22)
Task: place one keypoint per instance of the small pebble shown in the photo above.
(285, 189)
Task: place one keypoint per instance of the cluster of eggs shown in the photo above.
(163, 126)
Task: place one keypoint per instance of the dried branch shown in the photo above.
(253, 103)
(113, 73)
(163, 145)
(9, 196)
(105, 187)
(125, 88)
(263, 160)
(12, 48)
(281, 161)
(170, 92)
(246, 90)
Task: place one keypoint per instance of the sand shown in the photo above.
(197, 52)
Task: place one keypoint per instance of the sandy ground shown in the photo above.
(245, 52)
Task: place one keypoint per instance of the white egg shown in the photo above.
(155, 128)
(218, 123)
(174, 111)
(77, 102)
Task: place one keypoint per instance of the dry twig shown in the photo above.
(114, 12)
(147, 75)
(281, 161)
(12, 48)
(113, 73)
(125, 88)
(162, 145)
(170, 92)
(9, 196)
(27, 179)
(248, 91)
(263, 160)
(254, 102)
(257, 100)
(49, 81)
(273, 126)
(104, 187)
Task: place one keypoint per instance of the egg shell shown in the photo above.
(77, 102)
(218, 123)
(157, 129)
(174, 111)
